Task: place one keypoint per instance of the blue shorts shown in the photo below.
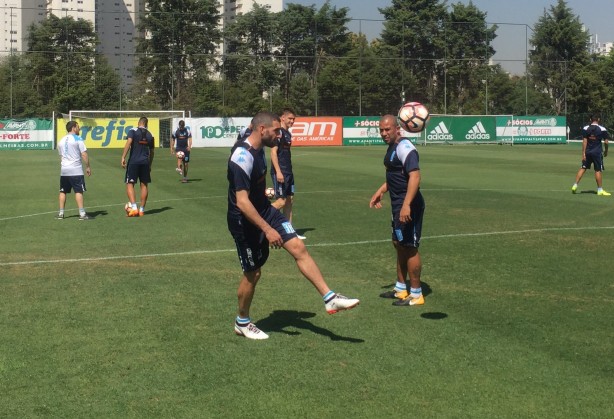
(285, 189)
(252, 244)
(409, 234)
(136, 172)
(69, 183)
(595, 159)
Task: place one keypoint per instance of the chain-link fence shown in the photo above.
(70, 73)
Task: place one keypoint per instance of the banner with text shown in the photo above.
(26, 134)
(532, 129)
(214, 132)
(364, 130)
(107, 132)
(461, 129)
(317, 131)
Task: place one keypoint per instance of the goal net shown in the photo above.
(160, 122)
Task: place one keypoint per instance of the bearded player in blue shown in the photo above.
(403, 183)
(255, 225)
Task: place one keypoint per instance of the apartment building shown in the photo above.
(114, 21)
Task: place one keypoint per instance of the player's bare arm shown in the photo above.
(275, 163)
(125, 152)
(376, 199)
(412, 189)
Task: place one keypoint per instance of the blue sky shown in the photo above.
(514, 17)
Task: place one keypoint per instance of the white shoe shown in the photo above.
(300, 237)
(178, 170)
(250, 331)
(340, 302)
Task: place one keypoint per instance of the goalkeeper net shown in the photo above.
(161, 119)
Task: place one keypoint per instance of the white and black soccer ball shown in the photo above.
(413, 117)
(270, 193)
(180, 155)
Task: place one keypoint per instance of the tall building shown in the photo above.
(230, 9)
(15, 18)
(599, 48)
(114, 21)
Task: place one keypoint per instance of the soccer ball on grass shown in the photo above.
(413, 116)
(270, 193)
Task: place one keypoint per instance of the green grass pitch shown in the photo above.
(133, 317)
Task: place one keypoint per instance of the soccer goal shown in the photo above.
(159, 121)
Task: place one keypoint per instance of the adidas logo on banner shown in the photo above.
(440, 133)
(478, 132)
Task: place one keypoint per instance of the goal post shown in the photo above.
(160, 122)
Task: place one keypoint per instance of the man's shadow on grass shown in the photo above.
(280, 319)
(157, 210)
(426, 288)
(91, 214)
(302, 231)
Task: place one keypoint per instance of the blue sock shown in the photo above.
(416, 292)
(243, 321)
(400, 286)
(329, 296)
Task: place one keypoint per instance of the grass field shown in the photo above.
(132, 317)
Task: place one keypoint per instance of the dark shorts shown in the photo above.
(595, 159)
(252, 245)
(136, 172)
(186, 157)
(285, 189)
(69, 183)
(408, 234)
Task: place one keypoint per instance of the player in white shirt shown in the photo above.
(73, 154)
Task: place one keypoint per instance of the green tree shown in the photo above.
(179, 50)
(466, 68)
(18, 98)
(559, 56)
(65, 69)
(415, 29)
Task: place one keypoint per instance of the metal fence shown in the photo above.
(371, 88)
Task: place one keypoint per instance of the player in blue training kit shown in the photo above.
(140, 142)
(403, 184)
(182, 141)
(281, 166)
(592, 153)
(255, 225)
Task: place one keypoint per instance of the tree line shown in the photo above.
(308, 59)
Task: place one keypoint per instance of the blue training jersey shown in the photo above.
(401, 159)
(181, 137)
(594, 134)
(284, 155)
(142, 143)
(246, 171)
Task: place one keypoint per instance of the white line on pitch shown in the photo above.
(354, 243)
(16, 217)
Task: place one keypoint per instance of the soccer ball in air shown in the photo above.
(270, 193)
(413, 116)
(180, 154)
